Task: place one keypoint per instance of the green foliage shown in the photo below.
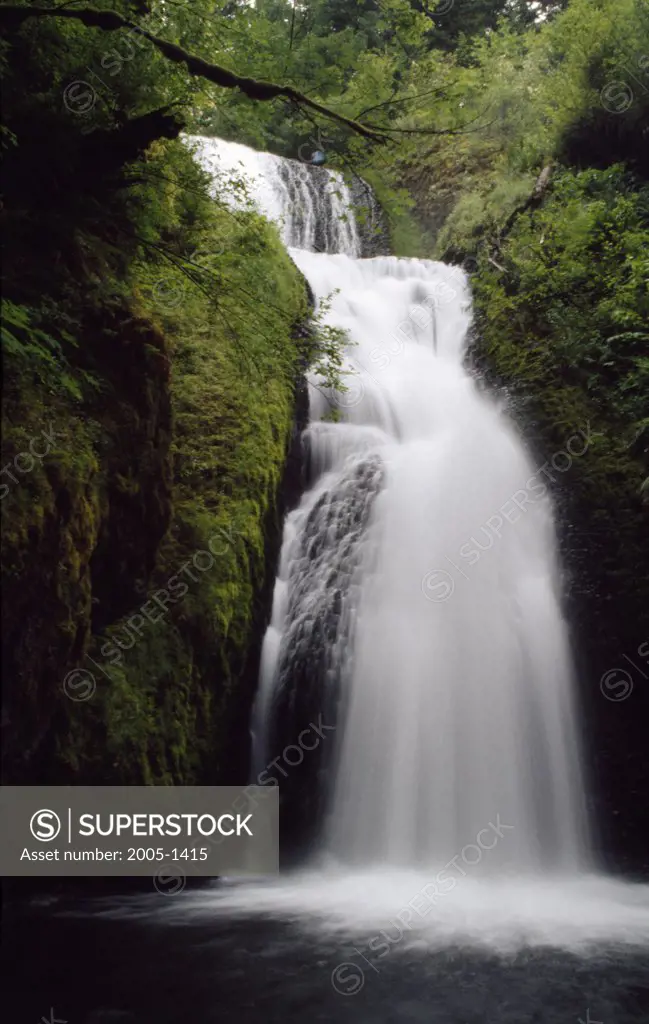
(572, 305)
(36, 353)
(328, 348)
(22, 341)
(573, 88)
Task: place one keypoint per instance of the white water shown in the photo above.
(584, 915)
(458, 690)
(309, 203)
(418, 591)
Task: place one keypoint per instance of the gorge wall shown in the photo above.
(154, 398)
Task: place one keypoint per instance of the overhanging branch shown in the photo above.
(109, 21)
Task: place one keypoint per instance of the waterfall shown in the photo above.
(311, 205)
(417, 598)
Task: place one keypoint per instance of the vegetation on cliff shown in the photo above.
(151, 356)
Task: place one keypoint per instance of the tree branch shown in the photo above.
(405, 99)
(536, 197)
(14, 16)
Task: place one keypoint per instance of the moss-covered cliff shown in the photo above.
(153, 356)
(170, 671)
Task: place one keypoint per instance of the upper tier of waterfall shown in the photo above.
(311, 205)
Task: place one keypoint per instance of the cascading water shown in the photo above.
(439, 627)
(455, 700)
(311, 205)
(417, 607)
(418, 582)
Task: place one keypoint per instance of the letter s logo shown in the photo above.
(45, 825)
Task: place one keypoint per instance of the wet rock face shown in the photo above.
(313, 656)
(370, 220)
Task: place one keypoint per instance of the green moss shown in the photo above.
(172, 391)
(234, 367)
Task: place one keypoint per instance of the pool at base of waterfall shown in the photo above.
(337, 949)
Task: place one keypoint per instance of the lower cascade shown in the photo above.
(419, 594)
(417, 613)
